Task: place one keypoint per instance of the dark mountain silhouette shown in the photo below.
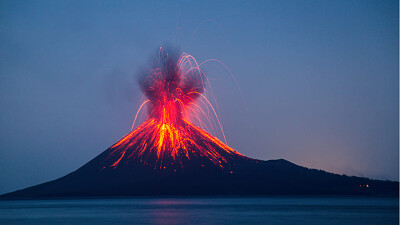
(122, 171)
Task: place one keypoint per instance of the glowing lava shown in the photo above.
(168, 137)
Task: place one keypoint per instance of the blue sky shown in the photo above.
(319, 79)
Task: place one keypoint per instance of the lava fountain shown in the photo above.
(175, 92)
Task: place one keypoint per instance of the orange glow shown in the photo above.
(168, 136)
(167, 140)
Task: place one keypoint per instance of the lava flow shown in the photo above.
(168, 137)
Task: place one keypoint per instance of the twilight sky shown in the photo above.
(319, 79)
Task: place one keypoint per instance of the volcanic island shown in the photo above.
(167, 155)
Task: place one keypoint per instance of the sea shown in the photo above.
(204, 210)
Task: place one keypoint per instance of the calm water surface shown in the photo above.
(270, 210)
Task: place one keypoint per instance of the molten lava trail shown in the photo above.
(156, 143)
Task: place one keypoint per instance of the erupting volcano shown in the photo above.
(170, 153)
(168, 138)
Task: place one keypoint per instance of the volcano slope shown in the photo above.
(202, 165)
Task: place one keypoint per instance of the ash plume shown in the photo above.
(172, 81)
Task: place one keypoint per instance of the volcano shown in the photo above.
(168, 155)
